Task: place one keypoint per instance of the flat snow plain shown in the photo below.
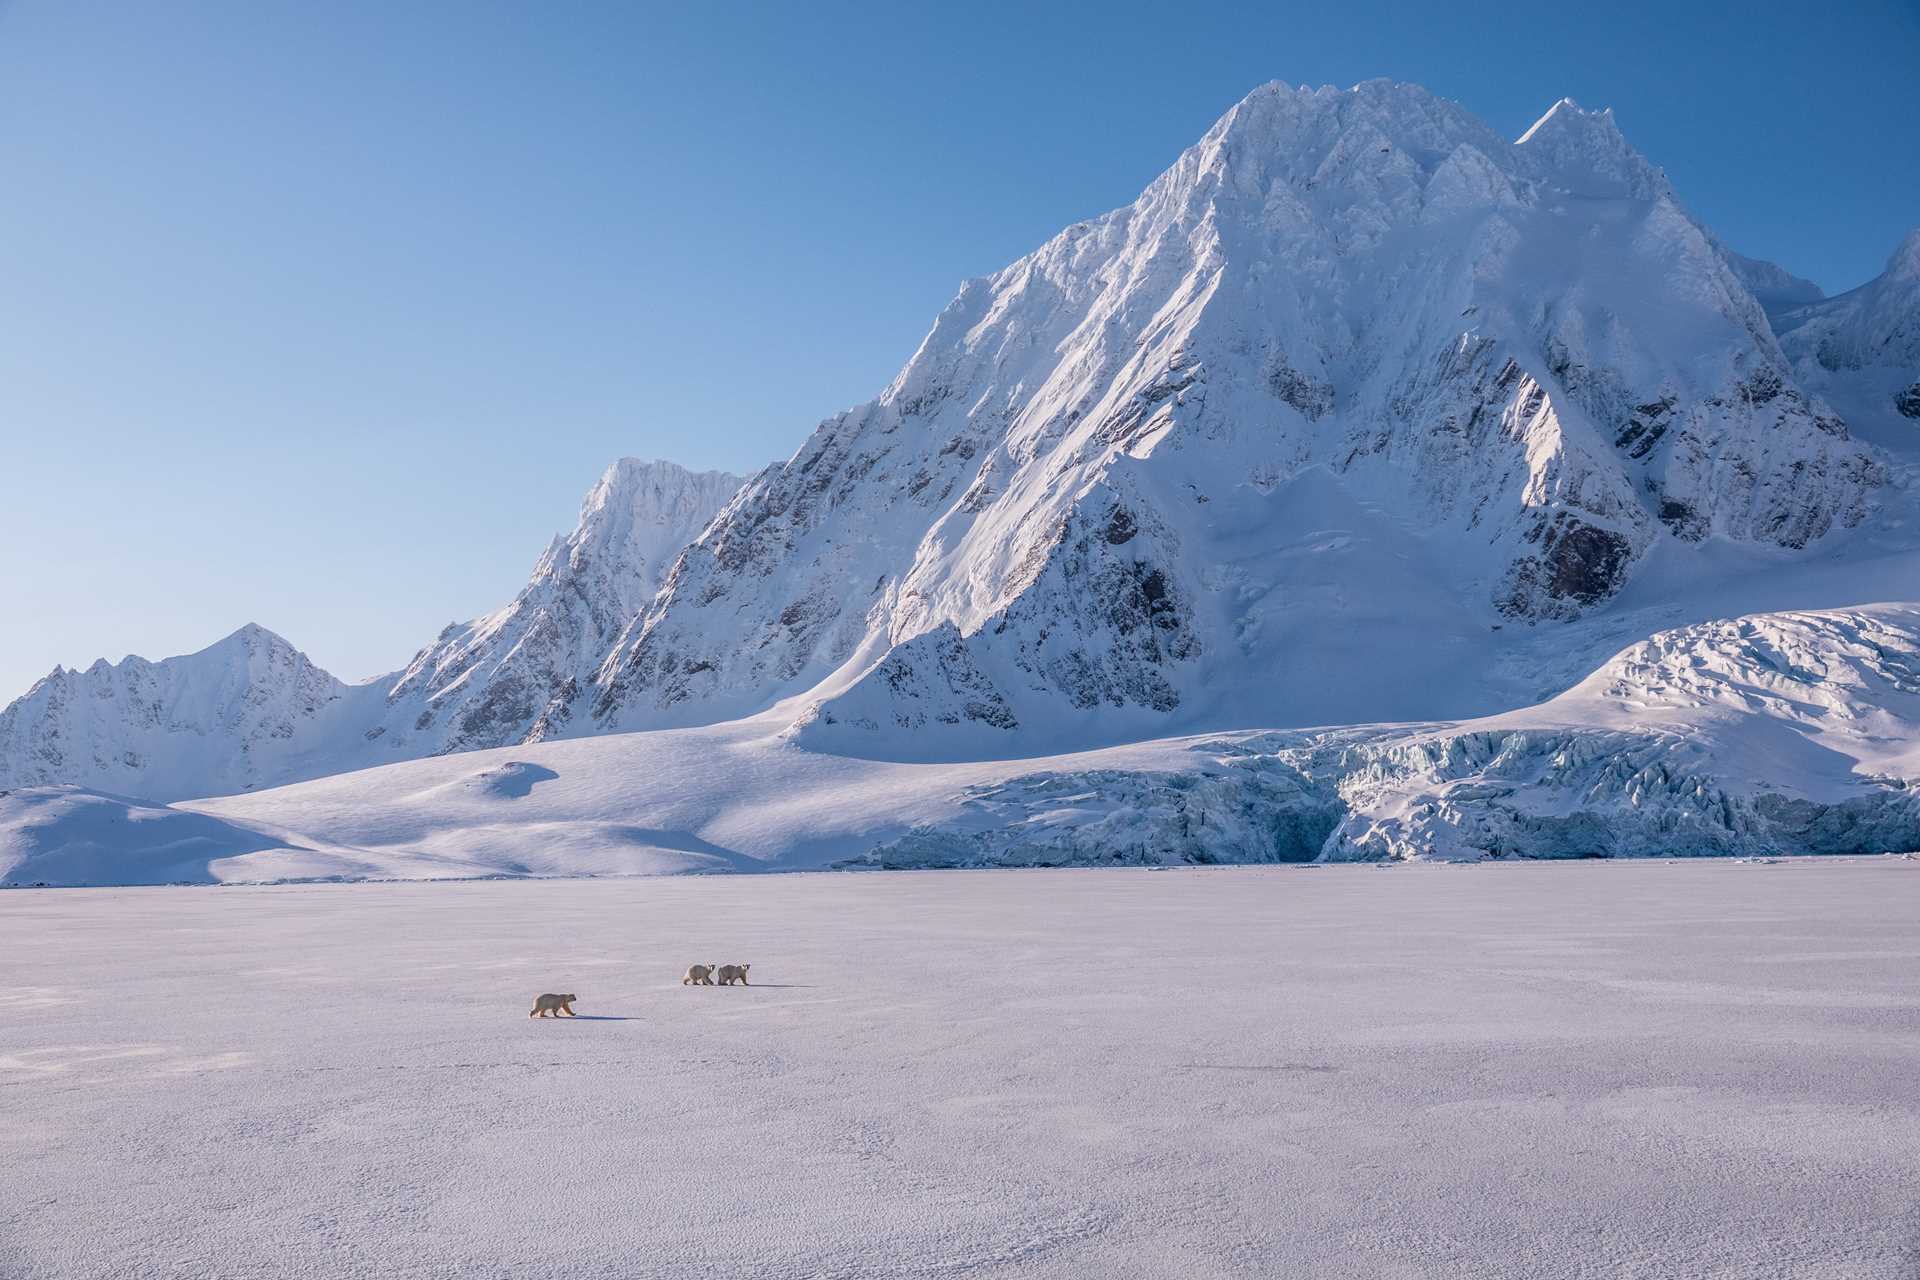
(1618, 1069)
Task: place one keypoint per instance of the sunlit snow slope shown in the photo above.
(1776, 733)
(1354, 365)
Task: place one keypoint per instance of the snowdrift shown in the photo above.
(67, 835)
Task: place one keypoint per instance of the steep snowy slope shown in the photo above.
(513, 675)
(1862, 349)
(1083, 505)
(253, 711)
(248, 710)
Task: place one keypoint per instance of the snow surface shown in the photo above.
(1772, 733)
(1543, 1072)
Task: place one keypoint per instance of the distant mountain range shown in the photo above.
(252, 710)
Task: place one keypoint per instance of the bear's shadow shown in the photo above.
(594, 1017)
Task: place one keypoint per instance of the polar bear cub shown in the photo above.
(732, 973)
(699, 975)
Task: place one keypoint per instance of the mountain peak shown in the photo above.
(511, 675)
(1568, 113)
(1584, 151)
(1874, 326)
(1337, 301)
(254, 633)
(649, 504)
(1905, 262)
(250, 640)
(225, 717)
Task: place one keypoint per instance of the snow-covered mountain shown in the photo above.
(254, 711)
(1090, 497)
(1232, 525)
(246, 710)
(1863, 347)
(514, 675)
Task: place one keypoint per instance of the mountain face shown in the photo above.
(237, 713)
(1092, 495)
(254, 711)
(1866, 342)
(513, 675)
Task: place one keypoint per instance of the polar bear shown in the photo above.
(545, 1006)
(699, 975)
(732, 973)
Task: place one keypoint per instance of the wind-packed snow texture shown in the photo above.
(1635, 1071)
(1361, 428)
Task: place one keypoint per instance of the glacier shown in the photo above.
(1771, 734)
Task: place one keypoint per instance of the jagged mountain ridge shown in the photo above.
(513, 675)
(245, 709)
(1528, 350)
(251, 710)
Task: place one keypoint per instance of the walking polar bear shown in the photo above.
(732, 973)
(699, 975)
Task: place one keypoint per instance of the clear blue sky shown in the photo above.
(324, 315)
